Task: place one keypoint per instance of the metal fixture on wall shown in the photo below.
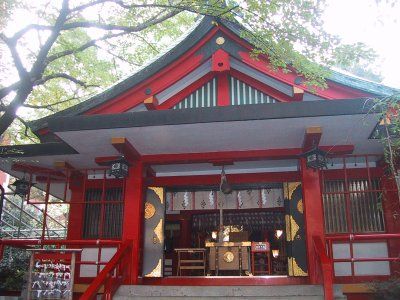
(315, 158)
(119, 168)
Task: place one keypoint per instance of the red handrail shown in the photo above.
(110, 277)
(363, 237)
(351, 238)
(326, 267)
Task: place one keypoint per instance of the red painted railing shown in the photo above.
(111, 277)
(351, 238)
(109, 281)
(326, 265)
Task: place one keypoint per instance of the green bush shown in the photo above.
(13, 267)
(387, 290)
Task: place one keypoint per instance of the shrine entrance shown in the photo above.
(261, 232)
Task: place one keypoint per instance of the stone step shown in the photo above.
(281, 292)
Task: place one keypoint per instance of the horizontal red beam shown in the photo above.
(53, 256)
(232, 178)
(366, 259)
(123, 146)
(248, 155)
(339, 174)
(363, 237)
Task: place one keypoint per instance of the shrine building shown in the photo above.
(207, 167)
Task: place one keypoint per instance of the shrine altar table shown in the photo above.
(229, 256)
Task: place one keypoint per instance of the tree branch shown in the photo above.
(40, 64)
(11, 44)
(142, 26)
(83, 47)
(128, 30)
(24, 30)
(7, 90)
(118, 56)
(50, 106)
(64, 76)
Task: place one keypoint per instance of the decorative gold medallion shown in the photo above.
(149, 210)
(220, 40)
(300, 206)
(229, 256)
(158, 234)
(156, 271)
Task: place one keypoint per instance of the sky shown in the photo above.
(378, 26)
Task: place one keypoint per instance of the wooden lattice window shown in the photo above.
(103, 214)
(354, 207)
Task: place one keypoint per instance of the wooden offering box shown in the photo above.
(228, 256)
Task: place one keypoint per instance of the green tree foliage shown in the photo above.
(73, 49)
(13, 269)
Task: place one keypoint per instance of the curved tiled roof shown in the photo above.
(187, 41)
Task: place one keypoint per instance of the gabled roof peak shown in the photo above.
(187, 42)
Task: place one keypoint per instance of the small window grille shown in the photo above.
(355, 208)
(103, 217)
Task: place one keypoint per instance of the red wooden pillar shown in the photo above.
(313, 214)
(391, 210)
(133, 217)
(76, 210)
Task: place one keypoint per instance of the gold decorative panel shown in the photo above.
(294, 269)
(291, 228)
(158, 233)
(156, 271)
(289, 188)
(300, 206)
(159, 192)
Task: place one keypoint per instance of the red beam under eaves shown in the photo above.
(294, 153)
(124, 147)
(312, 138)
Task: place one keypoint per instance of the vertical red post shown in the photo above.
(133, 216)
(391, 208)
(313, 214)
(223, 89)
(76, 208)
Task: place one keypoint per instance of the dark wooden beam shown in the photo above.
(312, 137)
(126, 149)
(222, 162)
